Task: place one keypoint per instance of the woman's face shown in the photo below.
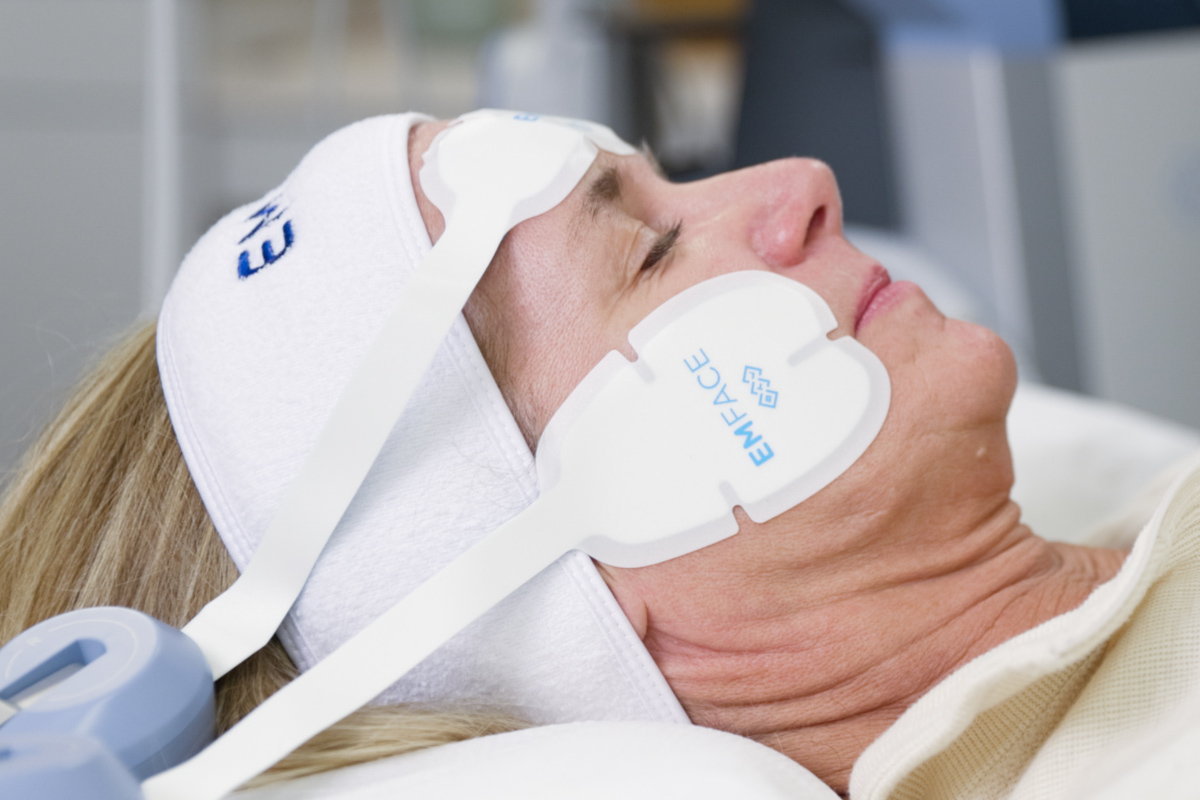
(566, 287)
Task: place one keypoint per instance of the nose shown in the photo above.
(786, 216)
(797, 209)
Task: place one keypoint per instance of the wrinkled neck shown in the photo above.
(818, 659)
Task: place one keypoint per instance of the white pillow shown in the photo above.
(577, 760)
(1080, 462)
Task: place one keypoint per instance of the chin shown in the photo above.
(989, 369)
(957, 373)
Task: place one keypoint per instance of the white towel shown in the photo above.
(268, 317)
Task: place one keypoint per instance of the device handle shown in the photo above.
(374, 658)
(53, 765)
(240, 621)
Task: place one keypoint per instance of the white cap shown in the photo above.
(270, 314)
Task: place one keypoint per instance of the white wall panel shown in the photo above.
(70, 196)
(1130, 128)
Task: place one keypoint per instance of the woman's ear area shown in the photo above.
(622, 584)
(420, 136)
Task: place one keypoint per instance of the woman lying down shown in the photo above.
(899, 634)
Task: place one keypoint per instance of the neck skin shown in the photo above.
(818, 655)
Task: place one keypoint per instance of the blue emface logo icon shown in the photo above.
(760, 387)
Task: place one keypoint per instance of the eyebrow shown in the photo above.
(604, 192)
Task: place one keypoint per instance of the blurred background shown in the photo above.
(1034, 163)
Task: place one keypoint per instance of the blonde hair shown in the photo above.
(102, 511)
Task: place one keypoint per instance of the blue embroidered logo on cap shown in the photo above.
(264, 220)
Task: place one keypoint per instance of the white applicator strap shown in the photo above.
(370, 661)
(488, 172)
(240, 621)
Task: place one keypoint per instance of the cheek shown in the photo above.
(540, 330)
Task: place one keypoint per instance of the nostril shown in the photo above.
(815, 225)
(792, 228)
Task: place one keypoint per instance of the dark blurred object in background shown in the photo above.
(814, 87)
(1090, 19)
(677, 79)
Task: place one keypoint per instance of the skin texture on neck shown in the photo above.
(820, 656)
(814, 631)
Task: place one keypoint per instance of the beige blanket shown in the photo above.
(1076, 706)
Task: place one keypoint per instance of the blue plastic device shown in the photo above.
(94, 701)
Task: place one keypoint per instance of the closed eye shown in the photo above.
(662, 247)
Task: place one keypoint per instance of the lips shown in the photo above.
(877, 280)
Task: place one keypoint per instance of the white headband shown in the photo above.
(268, 317)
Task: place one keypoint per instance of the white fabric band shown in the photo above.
(363, 667)
(252, 368)
(240, 621)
